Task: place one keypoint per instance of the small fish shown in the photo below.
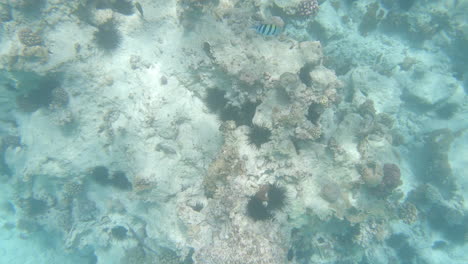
(139, 8)
(267, 29)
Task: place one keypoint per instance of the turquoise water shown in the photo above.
(233, 131)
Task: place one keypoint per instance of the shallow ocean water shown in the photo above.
(233, 131)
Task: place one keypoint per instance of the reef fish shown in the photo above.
(139, 8)
(267, 29)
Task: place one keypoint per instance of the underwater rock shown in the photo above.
(323, 79)
(427, 91)
(439, 171)
(368, 84)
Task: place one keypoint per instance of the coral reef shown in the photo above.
(307, 8)
(5, 13)
(226, 164)
(371, 174)
(245, 148)
(382, 180)
(29, 38)
(371, 19)
(59, 99)
(391, 177)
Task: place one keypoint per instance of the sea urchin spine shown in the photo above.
(269, 198)
(259, 135)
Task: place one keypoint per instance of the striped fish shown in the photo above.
(267, 29)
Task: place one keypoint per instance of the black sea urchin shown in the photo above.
(123, 7)
(257, 210)
(215, 100)
(108, 36)
(269, 198)
(259, 135)
(276, 197)
(120, 181)
(314, 112)
(100, 174)
(119, 232)
(447, 111)
(242, 115)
